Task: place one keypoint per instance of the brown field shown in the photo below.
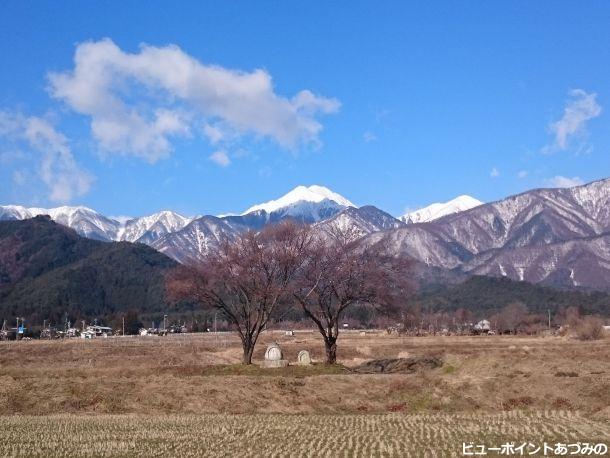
(143, 395)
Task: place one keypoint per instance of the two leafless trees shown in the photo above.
(246, 279)
(253, 278)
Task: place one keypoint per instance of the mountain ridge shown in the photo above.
(551, 236)
(530, 228)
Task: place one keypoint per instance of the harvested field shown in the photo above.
(439, 435)
(187, 394)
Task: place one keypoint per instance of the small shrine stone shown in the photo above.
(304, 358)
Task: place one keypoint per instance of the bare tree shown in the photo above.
(339, 272)
(246, 279)
(511, 318)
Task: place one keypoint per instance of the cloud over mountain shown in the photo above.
(580, 108)
(52, 155)
(138, 102)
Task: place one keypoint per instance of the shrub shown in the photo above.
(590, 328)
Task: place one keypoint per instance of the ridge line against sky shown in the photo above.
(197, 111)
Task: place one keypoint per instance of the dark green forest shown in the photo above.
(485, 295)
(48, 272)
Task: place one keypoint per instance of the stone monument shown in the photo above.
(273, 357)
(304, 358)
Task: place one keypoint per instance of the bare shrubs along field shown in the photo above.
(188, 395)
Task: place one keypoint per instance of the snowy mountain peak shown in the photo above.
(438, 210)
(312, 194)
(66, 215)
(64, 212)
(148, 228)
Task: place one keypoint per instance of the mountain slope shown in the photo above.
(573, 263)
(196, 239)
(364, 220)
(48, 271)
(526, 229)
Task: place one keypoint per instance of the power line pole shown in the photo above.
(123, 325)
(549, 310)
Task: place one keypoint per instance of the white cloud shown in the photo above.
(522, 173)
(139, 101)
(369, 137)
(559, 181)
(580, 108)
(221, 158)
(214, 134)
(57, 168)
(494, 173)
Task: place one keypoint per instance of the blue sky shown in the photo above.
(212, 108)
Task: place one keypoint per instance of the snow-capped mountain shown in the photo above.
(147, 229)
(91, 224)
(185, 238)
(302, 200)
(306, 204)
(553, 236)
(14, 212)
(438, 210)
(85, 221)
(533, 236)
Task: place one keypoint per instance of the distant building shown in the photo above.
(96, 331)
(482, 327)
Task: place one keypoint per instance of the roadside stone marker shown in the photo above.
(304, 358)
(273, 357)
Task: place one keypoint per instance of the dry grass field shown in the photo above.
(187, 395)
